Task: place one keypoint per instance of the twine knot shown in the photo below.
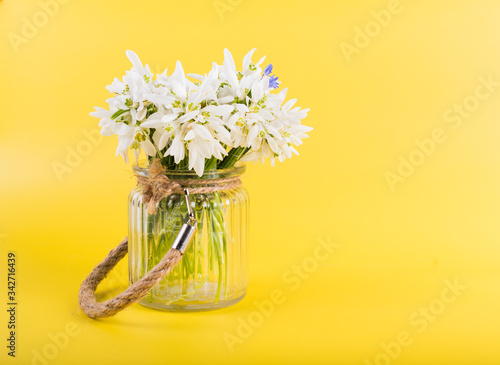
(156, 185)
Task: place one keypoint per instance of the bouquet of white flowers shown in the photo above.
(206, 125)
(224, 116)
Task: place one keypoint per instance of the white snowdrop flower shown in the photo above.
(105, 123)
(270, 129)
(236, 83)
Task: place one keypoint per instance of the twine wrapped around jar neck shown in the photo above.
(156, 185)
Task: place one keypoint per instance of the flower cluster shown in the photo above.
(212, 122)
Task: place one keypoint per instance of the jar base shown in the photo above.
(191, 307)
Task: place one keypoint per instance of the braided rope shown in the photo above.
(132, 294)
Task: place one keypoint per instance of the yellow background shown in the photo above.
(396, 249)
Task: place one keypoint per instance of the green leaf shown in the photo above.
(118, 113)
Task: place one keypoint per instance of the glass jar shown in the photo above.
(213, 272)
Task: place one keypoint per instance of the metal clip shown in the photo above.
(186, 233)
(190, 210)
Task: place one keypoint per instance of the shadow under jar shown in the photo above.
(213, 273)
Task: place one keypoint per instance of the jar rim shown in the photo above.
(142, 169)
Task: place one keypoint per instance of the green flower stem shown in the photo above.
(188, 271)
(215, 243)
(197, 251)
(150, 242)
(220, 243)
(211, 164)
(218, 248)
(232, 157)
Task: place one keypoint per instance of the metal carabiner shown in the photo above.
(186, 233)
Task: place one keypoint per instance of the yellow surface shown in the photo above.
(399, 240)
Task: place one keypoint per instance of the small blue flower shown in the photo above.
(273, 80)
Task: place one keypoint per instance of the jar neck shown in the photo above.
(232, 172)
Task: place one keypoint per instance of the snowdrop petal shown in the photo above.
(199, 166)
(193, 155)
(204, 148)
(123, 144)
(188, 116)
(228, 60)
(157, 136)
(282, 95)
(219, 151)
(162, 143)
(219, 110)
(303, 128)
(256, 143)
(189, 135)
(153, 123)
(101, 113)
(288, 104)
(122, 129)
(287, 151)
(223, 132)
(250, 156)
(230, 69)
(196, 76)
(177, 149)
(225, 99)
(253, 132)
(266, 114)
(136, 62)
(116, 86)
(161, 99)
(274, 132)
(295, 140)
(141, 114)
(272, 143)
(105, 122)
(167, 118)
(178, 81)
(107, 131)
(257, 91)
(178, 74)
(248, 59)
(202, 132)
(260, 61)
(276, 124)
(148, 147)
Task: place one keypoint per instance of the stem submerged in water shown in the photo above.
(162, 229)
(220, 241)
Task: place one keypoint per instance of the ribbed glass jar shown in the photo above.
(213, 272)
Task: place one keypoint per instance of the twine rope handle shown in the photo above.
(132, 294)
(155, 187)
